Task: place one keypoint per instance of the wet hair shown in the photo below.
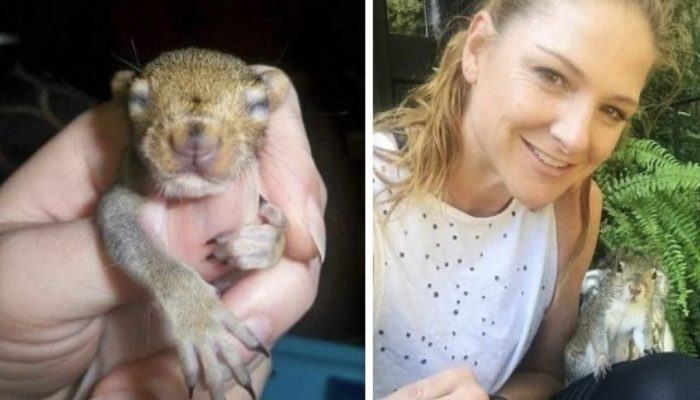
(429, 119)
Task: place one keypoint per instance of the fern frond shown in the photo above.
(647, 153)
(669, 180)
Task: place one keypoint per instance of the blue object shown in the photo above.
(308, 369)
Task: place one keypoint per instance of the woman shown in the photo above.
(486, 215)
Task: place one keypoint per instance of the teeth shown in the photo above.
(551, 161)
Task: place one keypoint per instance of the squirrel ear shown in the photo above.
(121, 83)
(130, 90)
(661, 282)
(276, 85)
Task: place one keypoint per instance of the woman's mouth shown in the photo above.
(547, 159)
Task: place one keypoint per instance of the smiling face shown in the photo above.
(550, 95)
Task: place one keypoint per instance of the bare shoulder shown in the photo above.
(559, 324)
(569, 213)
(575, 253)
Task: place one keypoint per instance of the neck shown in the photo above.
(473, 185)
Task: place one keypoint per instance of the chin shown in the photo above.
(532, 198)
(533, 205)
(190, 186)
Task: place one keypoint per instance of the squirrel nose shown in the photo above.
(195, 146)
(635, 290)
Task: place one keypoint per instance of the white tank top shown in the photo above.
(452, 289)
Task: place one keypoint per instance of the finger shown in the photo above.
(270, 301)
(443, 383)
(159, 378)
(31, 285)
(292, 182)
(466, 392)
(464, 395)
(64, 179)
(421, 390)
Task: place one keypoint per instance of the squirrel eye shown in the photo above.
(653, 275)
(257, 104)
(138, 97)
(619, 267)
(138, 100)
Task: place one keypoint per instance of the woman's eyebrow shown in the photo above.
(564, 60)
(623, 99)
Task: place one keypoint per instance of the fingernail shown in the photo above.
(260, 326)
(317, 227)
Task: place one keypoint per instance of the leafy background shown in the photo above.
(652, 184)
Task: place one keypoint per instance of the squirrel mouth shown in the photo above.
(197, 153)
(198, 164)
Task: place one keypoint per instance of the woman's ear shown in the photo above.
(480, 30)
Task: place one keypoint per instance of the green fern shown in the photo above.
(652, 205)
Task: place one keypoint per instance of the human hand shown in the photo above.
(58, 292)
(451, 384)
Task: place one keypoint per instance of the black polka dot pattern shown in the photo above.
(461, 274)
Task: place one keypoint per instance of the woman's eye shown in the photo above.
(615, 113)
(551, 76)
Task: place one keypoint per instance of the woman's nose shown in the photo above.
(573, 129)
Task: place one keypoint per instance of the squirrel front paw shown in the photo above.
(652, 350)
(602, 365)
(207, 353)
(255, 246)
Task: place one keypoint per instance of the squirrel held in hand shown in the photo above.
(197, 120)
(622, 316)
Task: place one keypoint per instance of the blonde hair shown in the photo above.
(430, 117)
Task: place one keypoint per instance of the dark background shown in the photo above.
(68, 50)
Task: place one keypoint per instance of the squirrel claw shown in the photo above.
(262, 350)
(250, 391)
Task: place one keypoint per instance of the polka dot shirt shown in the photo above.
(452, 289)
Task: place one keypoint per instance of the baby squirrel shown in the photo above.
(197, 120)
(622, 316)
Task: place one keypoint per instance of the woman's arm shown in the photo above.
(541, 373)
